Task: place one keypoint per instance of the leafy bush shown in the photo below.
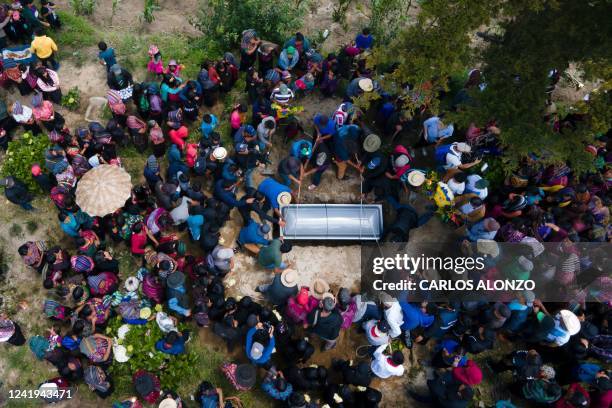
(20, 155)
(72, 99)
(140, 342)
(225, 20)
(76, 32)
(83, 7)
(148, 14)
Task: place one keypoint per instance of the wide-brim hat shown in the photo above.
(246, 375)
(371, 143)
(319, 288)
(131, 284)
(144, 384)
(284, 198)
(168, 403)
(220, 153)
(570, 321)
(289, 278)
(120, 353)
(366, 84)
(416, 178)
(145, 312)
(487, 247)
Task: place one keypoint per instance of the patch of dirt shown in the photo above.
(172, 17)
(320, 17)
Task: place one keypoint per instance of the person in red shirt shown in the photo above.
(178, 136)
(138, 240)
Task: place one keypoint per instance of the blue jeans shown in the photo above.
(372, 313)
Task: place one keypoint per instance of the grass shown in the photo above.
(32, 226)
(77, 32)
(132, 49)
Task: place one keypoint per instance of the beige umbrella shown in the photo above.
(103, 189)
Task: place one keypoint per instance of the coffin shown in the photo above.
(332, 222)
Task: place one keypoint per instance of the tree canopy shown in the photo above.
(534, 37)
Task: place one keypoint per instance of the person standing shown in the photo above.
(325, 322)
(106, 56)
(45, 48)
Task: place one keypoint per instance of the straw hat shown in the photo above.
(289, 278)
(145, 312)
(220, 153)
(168, 403)
(319, 288)
(416, 178)
(284, 198)
(366, 84)
(371, 143)
(570, 321)
(487, 247)
(120, 353)
(246, 375)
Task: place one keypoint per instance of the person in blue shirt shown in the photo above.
(302, 149)
(106, 55)
(209, 124)
(434, 131)
(347, 133)
(194, 223)
(415, 316)
(173, 343)
(259, 344)
(364, 40)
(253, 235)
(224, 191)
(272, 189)
(277, 387)
(324, 127)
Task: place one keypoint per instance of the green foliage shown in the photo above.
(567, 32)
(114, 8)
(20, 156)
(16, 230)
(72, 99)
(187, 50)
(148, 13)
(83, 7)
(140, 342)
(77, 32)
(32, 226)
(339, 11)
(387, 18)
(224, 21)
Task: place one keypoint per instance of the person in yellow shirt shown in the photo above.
(45, 48)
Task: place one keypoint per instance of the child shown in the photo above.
(155, 65)
(364, 40)
(174, 69)
(106, 56)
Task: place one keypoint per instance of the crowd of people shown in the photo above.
(560, 351)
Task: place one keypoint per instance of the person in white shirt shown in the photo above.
(377, 332)
(453, 157)
(457, 183)
(477, 185)
(385, 366)
(394, 317)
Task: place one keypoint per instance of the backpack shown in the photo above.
(143, 103)
(39, 346)
(155, 103)
(441, 153)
